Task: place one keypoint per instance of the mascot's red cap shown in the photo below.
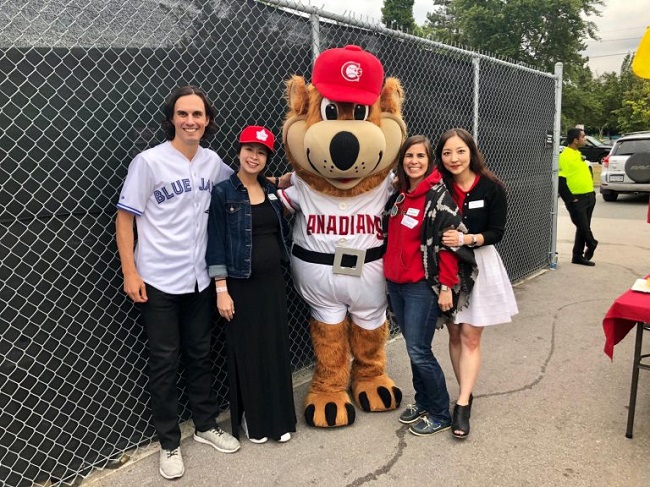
(348, 74)
(259, 135)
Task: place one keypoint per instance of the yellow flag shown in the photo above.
(641, 61)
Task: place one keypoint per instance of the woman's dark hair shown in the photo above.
(402, 178)
(476, 160)
(168, 111)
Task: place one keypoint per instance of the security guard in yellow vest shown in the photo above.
(576, 187)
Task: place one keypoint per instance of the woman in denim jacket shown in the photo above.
(247, 245)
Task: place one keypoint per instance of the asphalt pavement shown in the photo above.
(550, 408)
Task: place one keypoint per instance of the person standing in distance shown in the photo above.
(167, 193)
(576, 188)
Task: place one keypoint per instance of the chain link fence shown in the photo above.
(81, 88)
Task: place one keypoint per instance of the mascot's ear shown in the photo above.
(392, 123)
(392, 97)
(297, 96)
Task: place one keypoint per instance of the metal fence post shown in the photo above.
(556, 154)
(314, 21)
(476, 63)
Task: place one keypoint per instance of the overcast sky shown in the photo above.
(620, 26)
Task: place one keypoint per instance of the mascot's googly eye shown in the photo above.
(329, 110)
(361, 112)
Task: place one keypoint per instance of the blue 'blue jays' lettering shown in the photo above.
(205, 185)
(180, 186)
(165, 193)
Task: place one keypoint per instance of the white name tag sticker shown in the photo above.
(476, 204)
(409, 222)
(413, 212)
(272, 197)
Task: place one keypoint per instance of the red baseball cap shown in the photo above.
(348, 74)
(259, 135)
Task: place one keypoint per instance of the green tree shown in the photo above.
(580, 103)
(608, 92)
(538, 33)
(634, 113)
(398, 14)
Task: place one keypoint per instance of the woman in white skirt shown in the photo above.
(481, 197)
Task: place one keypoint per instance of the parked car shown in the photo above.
(594, 150)
(627, 167)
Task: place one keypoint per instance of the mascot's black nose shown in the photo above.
(344, 150)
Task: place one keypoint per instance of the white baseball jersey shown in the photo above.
(324, 222)
(170, 197)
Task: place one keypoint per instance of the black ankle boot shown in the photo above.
(460, 421)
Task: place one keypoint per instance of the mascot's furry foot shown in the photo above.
(325, 410)
(378, 394)
(372, 389)
(328, 405)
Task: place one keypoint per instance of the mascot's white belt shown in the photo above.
(344, 261)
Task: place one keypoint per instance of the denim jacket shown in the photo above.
(230, 229)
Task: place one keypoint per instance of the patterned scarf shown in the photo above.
(441, 214)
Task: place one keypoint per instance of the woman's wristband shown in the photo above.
(222, 289)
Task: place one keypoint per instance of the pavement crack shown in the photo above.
(383, 470)
(542, 371)
(551, 351)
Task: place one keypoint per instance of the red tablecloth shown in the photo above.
(629, 308)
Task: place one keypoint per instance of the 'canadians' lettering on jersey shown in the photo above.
(344, 225)
(180, 186)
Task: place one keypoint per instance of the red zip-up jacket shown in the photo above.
(403, 260)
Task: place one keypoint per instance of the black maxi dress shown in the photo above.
(258, 337)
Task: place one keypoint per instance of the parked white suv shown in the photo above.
(627, 167)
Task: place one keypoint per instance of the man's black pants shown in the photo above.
(175, 323)
(580, 212)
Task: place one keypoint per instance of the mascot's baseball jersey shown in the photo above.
(324, 222)
(170, 197)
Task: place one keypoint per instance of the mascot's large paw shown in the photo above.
(328, 410)
(377, 394)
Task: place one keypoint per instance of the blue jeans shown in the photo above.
(416, 310)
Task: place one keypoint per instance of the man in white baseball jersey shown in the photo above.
(167, 193)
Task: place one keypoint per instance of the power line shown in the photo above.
(611, 55)
(624, 28)
(612, 40)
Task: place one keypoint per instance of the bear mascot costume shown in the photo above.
(342, 136)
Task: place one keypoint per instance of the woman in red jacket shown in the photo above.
(422, 278)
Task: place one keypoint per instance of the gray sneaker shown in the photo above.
(412, 413)
(428, 426)
(219, 439)
(171, 463)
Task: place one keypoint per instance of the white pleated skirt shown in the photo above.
(492, 300)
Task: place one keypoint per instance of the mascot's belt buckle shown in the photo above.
(340, 253)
